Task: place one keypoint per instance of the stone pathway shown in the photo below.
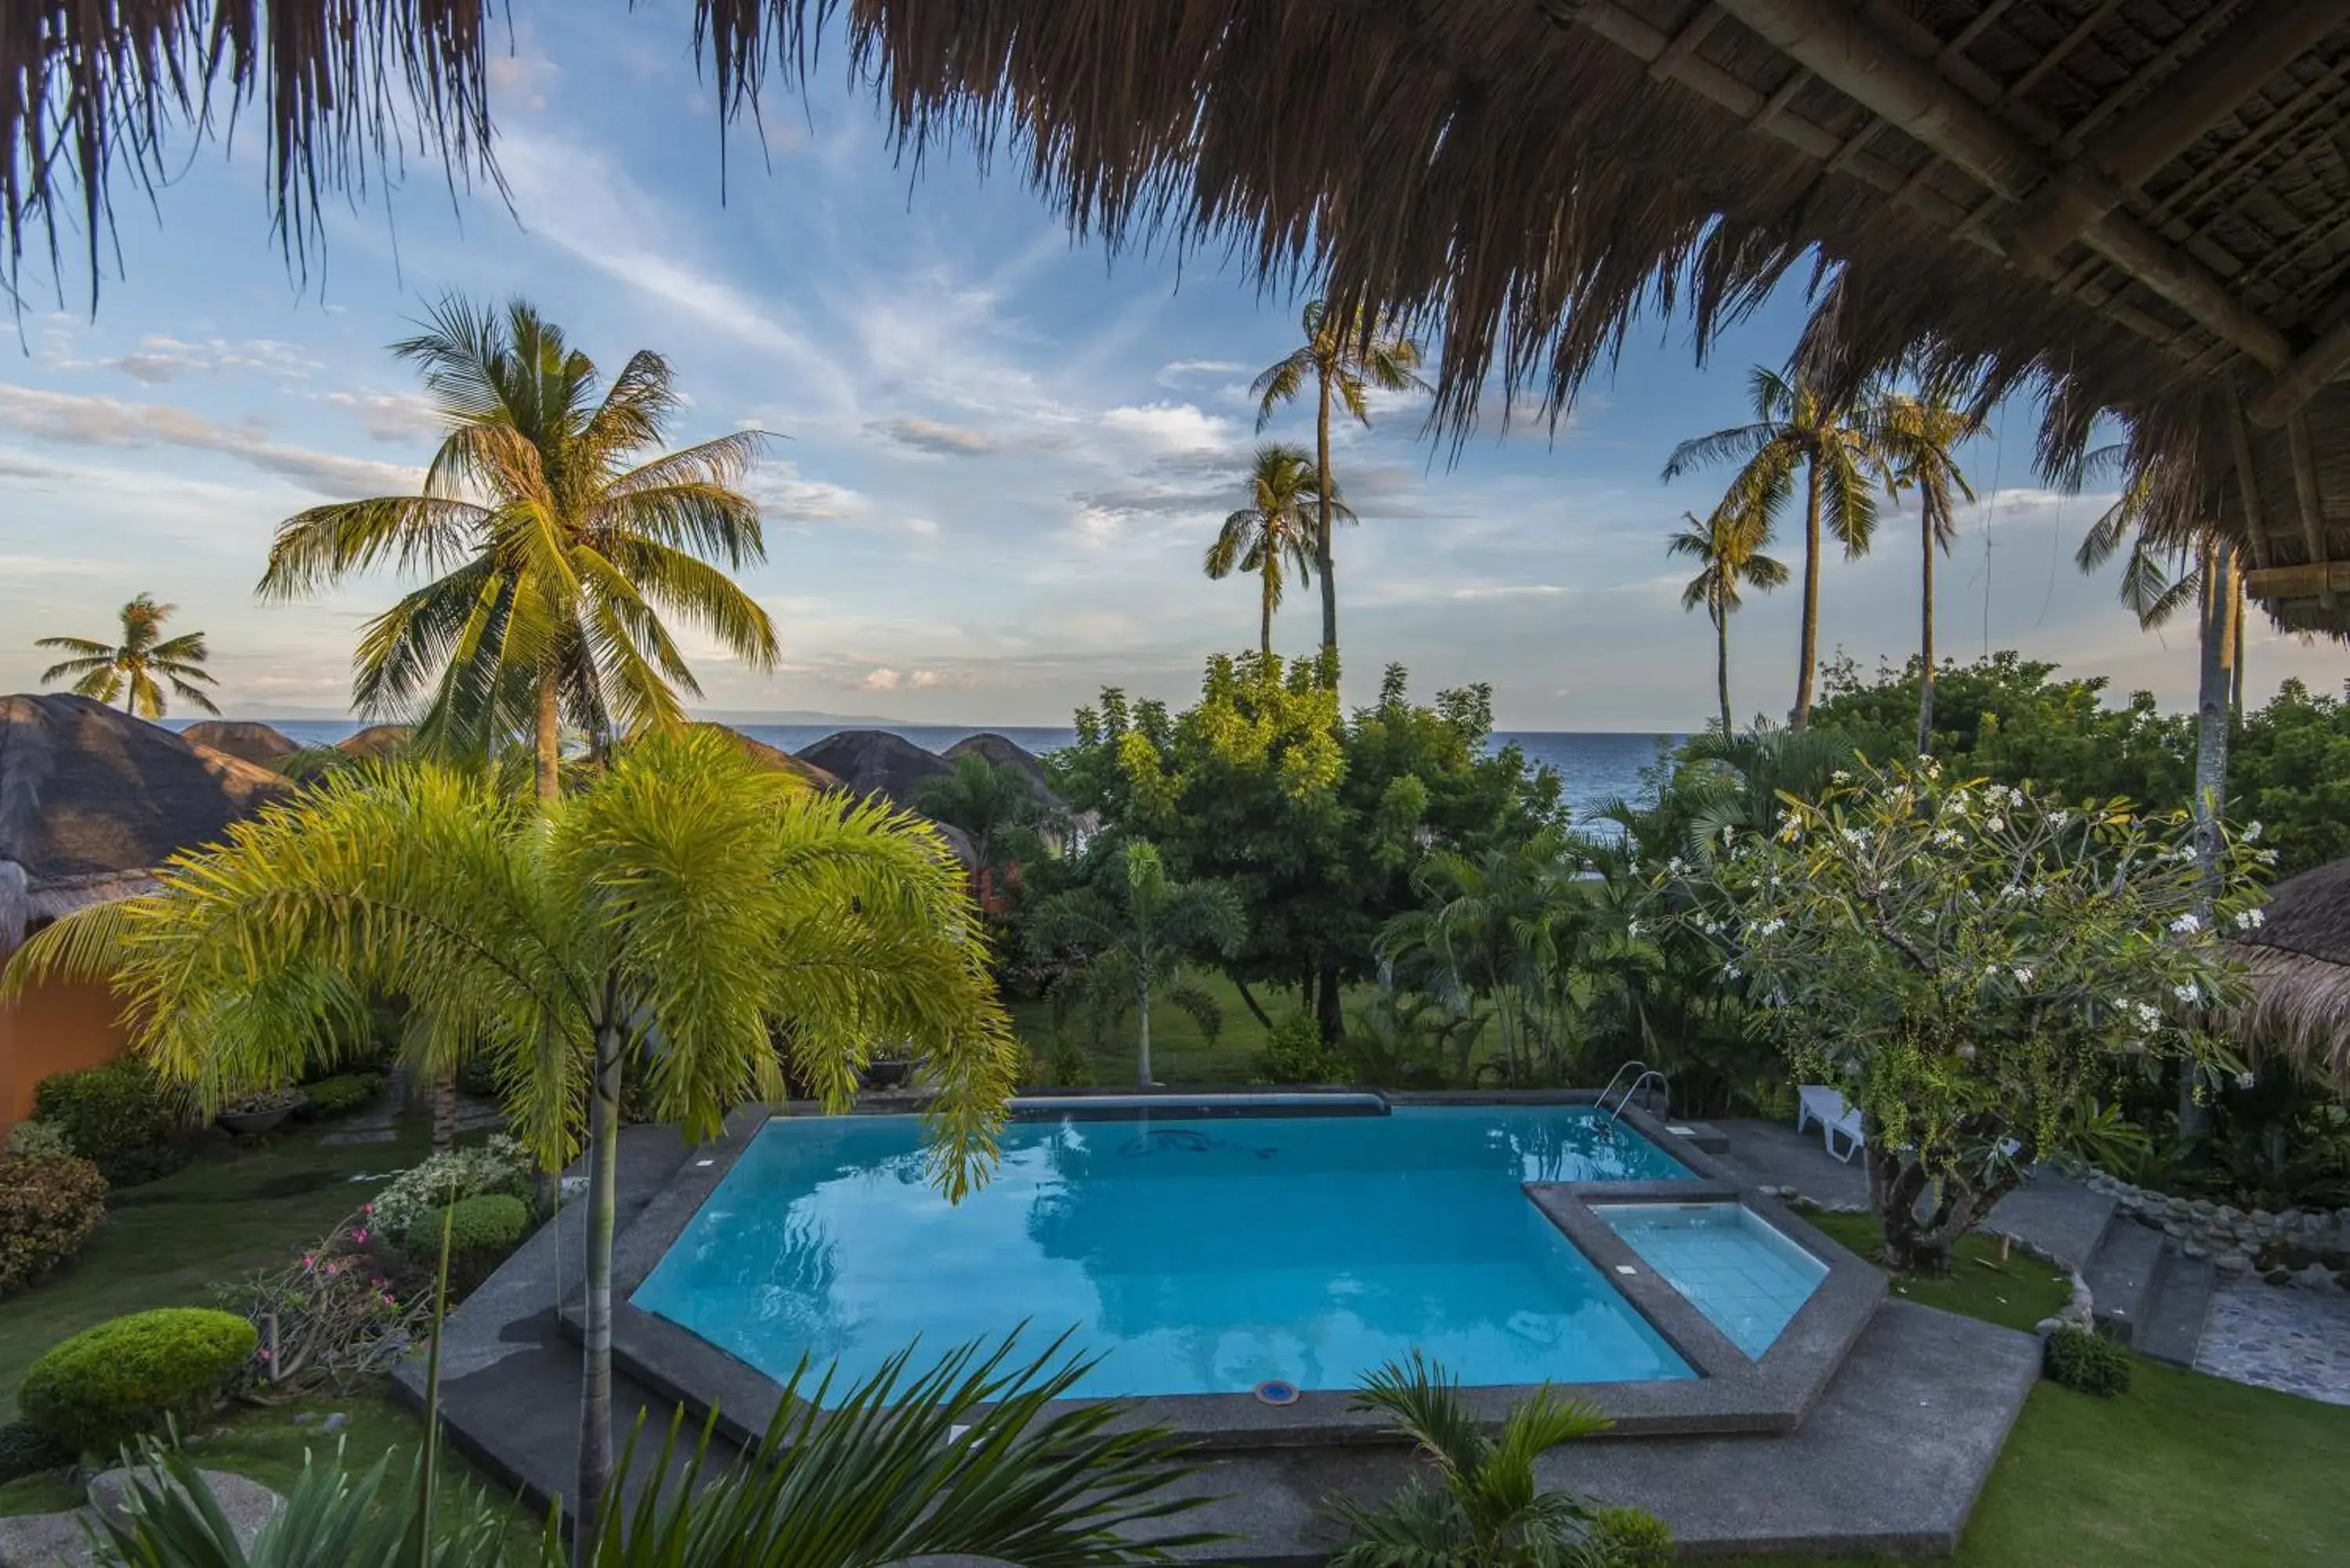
(2296, 1341)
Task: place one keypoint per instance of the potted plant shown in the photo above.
(257, 1113)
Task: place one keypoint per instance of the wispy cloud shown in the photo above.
(90, 419)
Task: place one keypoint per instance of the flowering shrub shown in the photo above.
(1970, 965)
(51, 1203)
(405, 1212)
(327, 1320)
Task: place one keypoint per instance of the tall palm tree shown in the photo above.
(670, 920)
(127, 669)
(1921, 435)
(1728, 548)
(1275, 534)
(1347, 358)
(1134, 932)
(1837, 447)
(555, 551)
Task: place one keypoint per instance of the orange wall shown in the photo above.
(56, 1027)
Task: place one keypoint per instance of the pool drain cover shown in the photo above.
(1277, 1391)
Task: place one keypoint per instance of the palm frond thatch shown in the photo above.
(2298, 958)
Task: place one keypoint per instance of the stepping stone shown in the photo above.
(248, 1505)
(358, 1134)
(47, 1540)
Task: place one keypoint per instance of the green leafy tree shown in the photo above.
(1487, 1508)
(998, 806)
(1839, 450)
(558, 545)
(1921, 432)
(1315, 818)
(664, 924)
(1131, 936)
(1345, 358)
(129, 670)
(1971, 965)
(1273, 535)
(1727, 546)
(2289, 769)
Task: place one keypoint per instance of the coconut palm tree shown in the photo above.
(1347, 358)
(997, 806)
(1275, 534)
(1132, 933)
(1922, 434)
(129, 670)
(556, 546)
(1837, 447)
(668, 922)
(1729, 549)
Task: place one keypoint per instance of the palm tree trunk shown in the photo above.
(2236, 645)
(1810, 647)
(1925, 639)
(1321, 544)
(444, 1113)
(1264, 625)
(603, 1203)
(1721, 663)
(2212, 721)
(546, 741)
(1142, 1062)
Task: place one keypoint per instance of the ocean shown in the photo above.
(1593, 767)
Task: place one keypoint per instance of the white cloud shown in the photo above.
(78, 419)
(881, 680)
(1172, 428)
(780, 492)
(940, 437)
(162, 358)
(392, 416)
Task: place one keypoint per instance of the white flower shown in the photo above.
(2059, 817)
(2022, 973)
(1770, 927)
(2252, 833)
(1729, 831)
(1634, 928)
(2122, 1002)
(2249, 919)
(1995, 824)
(2243, 1080)
(1947, 835)
(2186, 925)
(2148, 1014)
(2189, 992)
(1840, 776)
(1731, 971)
(1676, 866)
(1854, 836)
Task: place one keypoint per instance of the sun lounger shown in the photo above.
(1819, 1102)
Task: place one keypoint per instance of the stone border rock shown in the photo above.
(2235, 1240)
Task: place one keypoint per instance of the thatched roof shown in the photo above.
(775, 757)
(2300, 961)
(92, 799)
(376, 740)
(2141, 204)
(875, 762)
(1004, 752)
(244, 739)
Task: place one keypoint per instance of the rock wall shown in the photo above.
(2309, 1247)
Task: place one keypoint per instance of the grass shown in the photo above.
(1181, 1051)
(2181, 1471)
(2016, 1292)
(169, 1242)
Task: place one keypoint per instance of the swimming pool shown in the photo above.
(1733, 1266)
(1193, 1256)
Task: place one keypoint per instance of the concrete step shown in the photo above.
(2057, 1215)
(2173, 1327)
(2123, 1277)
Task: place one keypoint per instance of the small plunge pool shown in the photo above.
(1194, 1255)
(1733, 1266)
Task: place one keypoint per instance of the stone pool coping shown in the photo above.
(1731, 1393)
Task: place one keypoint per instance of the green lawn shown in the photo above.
(2183, 1471)
(1181, 1053)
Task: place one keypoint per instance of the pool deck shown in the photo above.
(1887, 1455)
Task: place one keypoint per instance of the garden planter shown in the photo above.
(249, 1124)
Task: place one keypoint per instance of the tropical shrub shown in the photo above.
(2086, 1362)
(329, 1320)
(26, 1450)
(407, 1210)
(1630, 1538)
(32, 1135)
(1485, 1507)
(112, 1114)
(1974, 966)
(129, 1375)
(50, 1206)
(342, 1094)
(1295, 1055)
(492, 1222)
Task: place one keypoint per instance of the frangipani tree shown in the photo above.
(670, 920)
(1969, 964)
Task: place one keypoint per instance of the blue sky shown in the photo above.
(1005, 451)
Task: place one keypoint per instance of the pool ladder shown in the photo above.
(1643, 1073)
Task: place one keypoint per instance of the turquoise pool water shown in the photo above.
(1193, 1256)
(1736, 1268)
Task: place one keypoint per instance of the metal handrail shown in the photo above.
(1662, 1083)
(1601, 1102)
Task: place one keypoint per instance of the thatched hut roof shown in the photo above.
(775, 757)
(92, 799)
(242, 739)
(877, 761)
(2143, 205)
(376, 741)
(2300, 961)
(1002, 752)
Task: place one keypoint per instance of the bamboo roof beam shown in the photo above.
(2312, 503)
(2298, 383)
(1876, 71)
(2269, 35)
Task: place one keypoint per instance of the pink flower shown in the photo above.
(387, 1300)
(359, 1236)
(334, 1267)
(309, 1261)
(367, 1208)
(263, 1353)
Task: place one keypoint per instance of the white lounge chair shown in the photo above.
(1838, 1118)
